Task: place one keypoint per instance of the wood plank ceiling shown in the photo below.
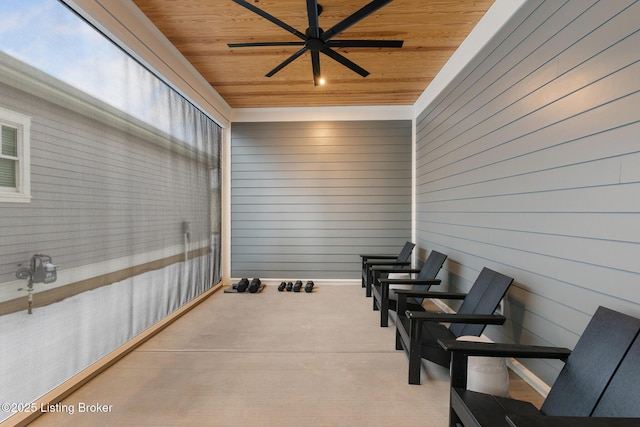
(200, 29)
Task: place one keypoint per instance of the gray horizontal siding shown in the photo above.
(99, 193)
(528, 163)
(308, 197)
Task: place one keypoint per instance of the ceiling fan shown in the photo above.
(316, 40)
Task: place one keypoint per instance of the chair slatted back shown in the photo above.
(405, 253)
(431, 266)
(621, 398)
(483, 298)
(403, 256)
(429, 270)
(595, 358)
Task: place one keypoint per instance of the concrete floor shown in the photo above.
(267, 359)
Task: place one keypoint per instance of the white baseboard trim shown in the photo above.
(528, 377)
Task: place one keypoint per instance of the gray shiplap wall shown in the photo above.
(308, 197)
(528, 163)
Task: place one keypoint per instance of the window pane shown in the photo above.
(9, 141)
(7, 173)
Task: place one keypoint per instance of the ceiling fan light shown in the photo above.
(322, 81)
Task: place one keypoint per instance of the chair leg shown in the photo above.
(398, 338)
(384, 317)
(459, 363)
(384, 306)
(415, 359)
(456, 406)
(375, 303)
(401, 306)
(454, 420)
(369, 281)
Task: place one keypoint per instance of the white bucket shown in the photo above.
(486, 374)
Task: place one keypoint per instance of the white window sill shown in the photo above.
(14, 198)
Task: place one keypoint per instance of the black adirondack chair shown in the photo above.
(397, 261)
(418, 332)
(384, 299)
(599, 384)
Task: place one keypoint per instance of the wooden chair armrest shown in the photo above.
(428, 316)
(554, 421)
(390, 269)
(379, 262)
(504, 350)
(461, 350)
(403, 294)
(377, 256)
(387, 281)
(430, 294)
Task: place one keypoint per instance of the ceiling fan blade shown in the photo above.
(269, 17)
(286, 62)
(344, 61)
(315, 64)
(353, 18)
(253, 44)
(366, 43)
(312, 12)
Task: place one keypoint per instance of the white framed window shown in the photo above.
(15, 180)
